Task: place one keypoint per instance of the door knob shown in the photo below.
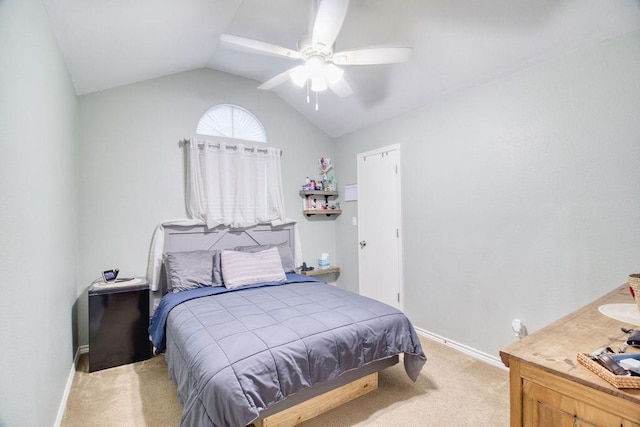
(363, 243)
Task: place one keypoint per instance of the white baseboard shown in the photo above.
(476, 354)
(81, 350)
(67, 388)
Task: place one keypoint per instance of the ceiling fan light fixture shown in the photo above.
(314, 67)
(319, 84)
(299, 77)
(314, 71)
(333, 74)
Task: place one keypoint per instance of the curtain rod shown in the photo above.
(184, 142)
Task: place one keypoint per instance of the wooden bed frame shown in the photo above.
(324, 397)
(320, 404)
(307, 403)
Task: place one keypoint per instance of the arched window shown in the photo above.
(231, 121)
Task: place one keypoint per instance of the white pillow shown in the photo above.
(283, 248)
(247, 268)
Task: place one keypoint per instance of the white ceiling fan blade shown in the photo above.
(256, 46)
(373, 55)
(328, 22)
(341, 88)
(279, 79)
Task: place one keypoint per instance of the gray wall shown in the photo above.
(520, 198)
(38, 219)
(132, 173)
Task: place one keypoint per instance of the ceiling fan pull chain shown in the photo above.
(316, 101)
(308, 99)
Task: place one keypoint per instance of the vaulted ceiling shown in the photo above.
(456, 44)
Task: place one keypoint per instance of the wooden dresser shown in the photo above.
(548, 386)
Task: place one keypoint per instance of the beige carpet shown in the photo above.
(139, 394)
(453, 389)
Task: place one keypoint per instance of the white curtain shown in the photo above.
(233, 184)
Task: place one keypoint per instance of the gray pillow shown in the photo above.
(190, 270)
(288, 265)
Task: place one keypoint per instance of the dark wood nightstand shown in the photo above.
(118, 324)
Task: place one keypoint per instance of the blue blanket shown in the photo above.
(235, 354)
(169, 301)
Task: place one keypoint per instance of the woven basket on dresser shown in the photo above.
(634, 283)
(618, 381)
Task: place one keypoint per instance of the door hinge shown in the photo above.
(397, 233)
(396, 169)
(398, 296)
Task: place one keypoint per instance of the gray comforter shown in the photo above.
(235, 354)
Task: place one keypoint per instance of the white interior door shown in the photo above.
(379, 237)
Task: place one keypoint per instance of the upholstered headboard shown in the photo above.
(180, 238)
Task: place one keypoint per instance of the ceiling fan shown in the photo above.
(319, 70)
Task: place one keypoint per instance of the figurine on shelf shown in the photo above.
(324, 165)
(305, 268)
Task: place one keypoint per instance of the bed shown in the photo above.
(248, 353)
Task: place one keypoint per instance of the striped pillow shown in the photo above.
(246, 268)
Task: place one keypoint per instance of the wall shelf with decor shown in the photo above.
(312, 207)
(321, 271)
